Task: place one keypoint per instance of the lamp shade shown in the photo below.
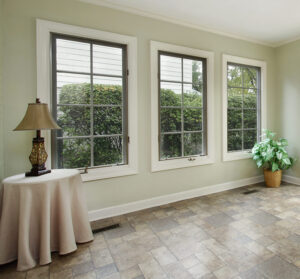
(37, 117)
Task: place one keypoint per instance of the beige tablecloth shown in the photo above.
(40, 215)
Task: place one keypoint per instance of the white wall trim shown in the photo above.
(230, 156)
(291, 179)
(44, 29)
(165, 18)
(156, 164)
(161, 200)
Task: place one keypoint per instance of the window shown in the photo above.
(92, 90)
(89, 102)
(182, 118)
(243, 102)
(182, 88)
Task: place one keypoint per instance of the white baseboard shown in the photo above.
(161, 200)
(291, 179)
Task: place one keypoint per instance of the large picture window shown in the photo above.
(182, 115)
(89, 102)
(182, 87)
(244, 106)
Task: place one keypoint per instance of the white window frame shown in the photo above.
(239, 155)
(156, 164)
(43, 32)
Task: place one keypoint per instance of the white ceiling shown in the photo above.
(270, 22)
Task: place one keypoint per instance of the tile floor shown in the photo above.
(224, 235)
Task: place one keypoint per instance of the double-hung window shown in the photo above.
(181, 106)
(90, 83)
(244, 108)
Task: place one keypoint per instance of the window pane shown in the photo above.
(74, 120)
(234, 75)
(108, 150)
(235, 98)
(107, 60)
(250, 117)
(192, 72)
(73, 88)
(250, 138)
(73, 56)
(107, 91)
(192, 144)
(234, 118)
(170, 94)
(170, 68)
(170, 146)
(170, 119)
(234, 140)
(107, 120)
(192, 119)
(249, 77)
(250, 96)
(73, 153)
(191, 97)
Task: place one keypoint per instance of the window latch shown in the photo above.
(85, 170)
(191, 159)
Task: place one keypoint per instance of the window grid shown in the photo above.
(257, 109)
(91, 74)
(182, 106)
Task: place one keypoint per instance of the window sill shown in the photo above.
(232, 156)
(181, 163)
(108, 172)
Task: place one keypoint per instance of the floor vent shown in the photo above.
(106, 228)
(250, 192)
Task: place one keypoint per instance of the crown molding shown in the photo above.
(139, 12)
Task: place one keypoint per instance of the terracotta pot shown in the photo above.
(272, 179)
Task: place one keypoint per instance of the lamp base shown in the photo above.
(38, 157)
(37, 172)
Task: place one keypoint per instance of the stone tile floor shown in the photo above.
(224, 235)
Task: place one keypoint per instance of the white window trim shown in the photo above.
(231, 156)
(43, 30)
(156, 164)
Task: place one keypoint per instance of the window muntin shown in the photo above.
(89, 89)
(182, 106)
(243, 106)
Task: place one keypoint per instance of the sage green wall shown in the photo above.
(288, 98)
(20, 88)
(1, 93)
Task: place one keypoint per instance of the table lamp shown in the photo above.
(37, 118)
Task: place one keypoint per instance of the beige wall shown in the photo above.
(20, 88)
(288, 99)
(1, 93)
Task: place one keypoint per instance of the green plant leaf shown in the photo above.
(274, 167)
(287, 161)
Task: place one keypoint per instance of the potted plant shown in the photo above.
(270, 153)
